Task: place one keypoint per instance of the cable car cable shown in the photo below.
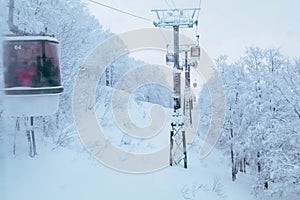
(173, 4)
(199, 6)
(127, 13)
(121, 11)
(167, 4)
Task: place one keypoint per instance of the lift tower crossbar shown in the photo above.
(176, 18)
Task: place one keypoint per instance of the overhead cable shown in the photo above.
(121, 11)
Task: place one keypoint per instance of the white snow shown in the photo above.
(30, 38)
(65, 174)
(71, 173)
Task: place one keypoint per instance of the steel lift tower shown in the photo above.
(176, 18)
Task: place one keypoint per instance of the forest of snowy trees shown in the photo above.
(261, 133)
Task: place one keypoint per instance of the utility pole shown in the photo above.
(176, 18)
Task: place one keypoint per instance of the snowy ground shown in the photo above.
(71, 173)
(65, 174)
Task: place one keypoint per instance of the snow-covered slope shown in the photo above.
(71, 173)
(65, 174)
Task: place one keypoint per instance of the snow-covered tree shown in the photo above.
(77, 32)
(261, 129)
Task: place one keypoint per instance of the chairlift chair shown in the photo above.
(170, 59)
(195, 53)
